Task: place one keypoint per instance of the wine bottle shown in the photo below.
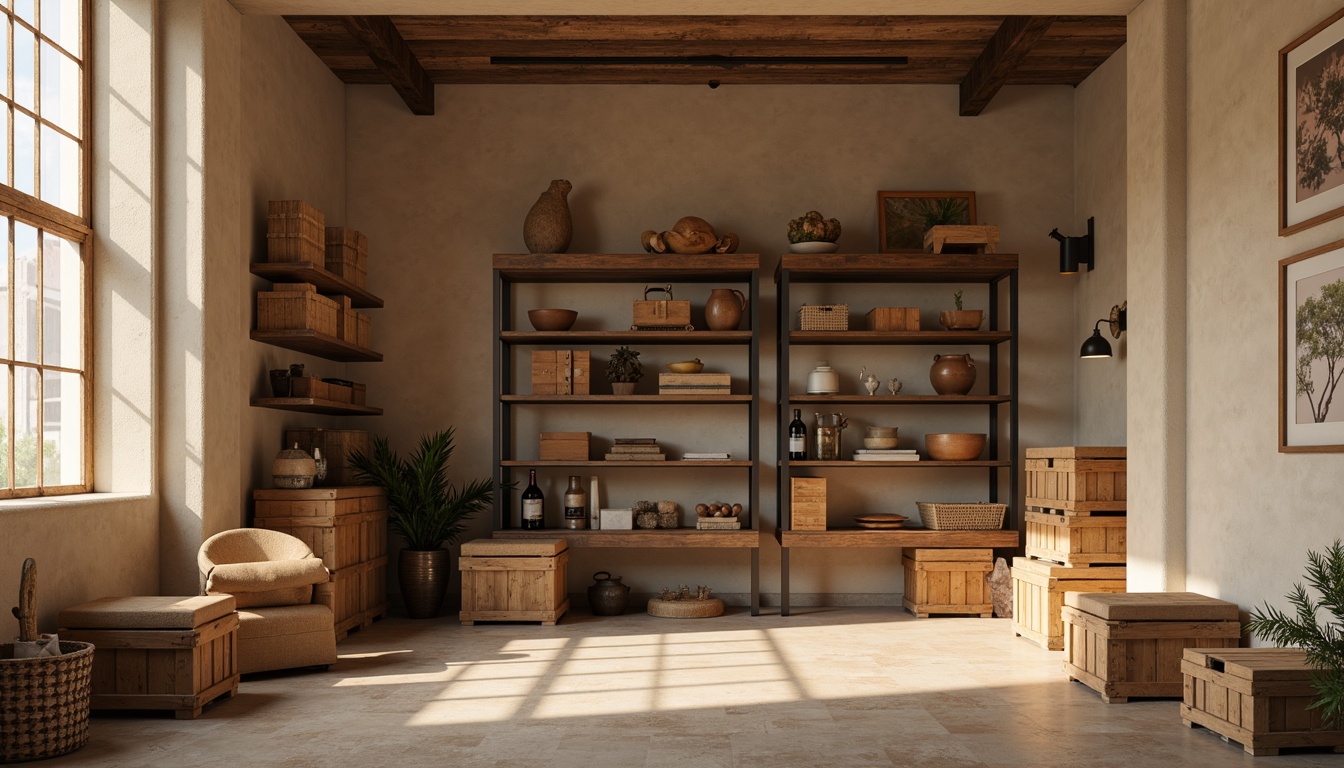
(797, 437)
(576, 504)
(534, 504)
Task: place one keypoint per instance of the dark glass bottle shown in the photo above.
(576, 504)
(797, 437)
(534, 504)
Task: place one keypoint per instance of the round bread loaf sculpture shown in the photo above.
(690, 235)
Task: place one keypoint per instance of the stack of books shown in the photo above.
(892, 454)
(695, 384)
(705, 457)
(636, 449)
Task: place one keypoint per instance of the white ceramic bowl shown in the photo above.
(814, 246)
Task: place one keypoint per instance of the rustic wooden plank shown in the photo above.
(1004, 51)
(389, 52)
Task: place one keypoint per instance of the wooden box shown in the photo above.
(1077, 479)
(961, 238)
(1075, 540)
(1038, 596)
(346, 322)
(564, 446)
(807, 503)
(1131, 645)
(309, 386)
(561, 372)
(177, 653)
(346, 254)
(295, 231)
(338, 392)
(336, 445)
(662, 314)
(363, 330)
(297, 308)
(947, 581)
(514, 580)
(892, 319)
(695, 383)
(358, 393)
(1258, 697)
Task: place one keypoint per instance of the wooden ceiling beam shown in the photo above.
(381, 41)
(1005, 50)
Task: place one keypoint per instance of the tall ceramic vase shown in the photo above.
(423, 578)
(952, 374)
(548, 228)
(724, 308)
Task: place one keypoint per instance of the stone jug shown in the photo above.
(607, 596)
(724, 308)
(548, 228)
(952, 374)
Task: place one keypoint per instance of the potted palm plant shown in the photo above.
(426, 510)
(624, 370)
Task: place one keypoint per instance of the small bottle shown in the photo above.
(576, 504)
(797, 437)
(534, 504)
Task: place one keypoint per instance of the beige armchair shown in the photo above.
(283, 594)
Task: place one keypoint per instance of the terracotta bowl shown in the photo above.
(882, 431)
(552, 319)
(955, 446)
(880, 443)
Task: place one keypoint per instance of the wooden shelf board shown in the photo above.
(672, 538)
(902, 399)
(898, 537)
(911, 267)
(906, 464)
(943, 338)
(314, 343)
(315, 405)
(626, 399)
(670, 462)
(625, 337)
(625, 268)
(317, 274)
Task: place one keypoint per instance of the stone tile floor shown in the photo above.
(823, 687)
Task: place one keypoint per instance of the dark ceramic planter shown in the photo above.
(423, 577)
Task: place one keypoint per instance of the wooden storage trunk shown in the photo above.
(1075, 540)
(295, 231)
(948, 581)
(1038, 596)
(1258, 697)
(561, 372)
(298, 307)
(807, 504)
(347, 528)
(1078, 479)
(177, 653)
(564, 446)
(363, 330)
(514, 580)
(661, 314)
(892, 319)
(347, 253)
(1131, 645)
(336, 445)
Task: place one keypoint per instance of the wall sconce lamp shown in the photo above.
(1075, 250)
(1096, 346)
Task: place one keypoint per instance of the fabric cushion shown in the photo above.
(147, 612)
(232, 578)
(285, 620)
(275, 597)
(249, 545)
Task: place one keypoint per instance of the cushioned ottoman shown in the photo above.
(286, 636)
(177, 653)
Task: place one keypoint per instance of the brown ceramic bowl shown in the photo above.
(955, 446)
(552, 319)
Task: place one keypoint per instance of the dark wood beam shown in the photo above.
(384, 44)
(1004, 51)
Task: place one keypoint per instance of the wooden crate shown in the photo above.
(561, 372)
(295, 231)
(358, 393)
(961, 238)
(1076, 541)
(949, 581)
(309, 386)
(669, 313)
(1131, 645)
(807, 503)
(171, 662)
(1038, 596)
(346, 254)
(695, 383)
(336, 445)
(1078, 479)
(565, 446)
(892, 319)
(296, 309)
(346, 322)
(514, 580)
(1258, 697)
(359, 595)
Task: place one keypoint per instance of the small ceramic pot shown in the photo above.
(823, 380)
(952, 374)
(280, 382)
(607, 596)
(622, 387)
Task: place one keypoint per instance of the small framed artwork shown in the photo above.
(1311, 351)
(904, 217)
(1311, 122)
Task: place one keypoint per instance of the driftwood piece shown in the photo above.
(26, 612)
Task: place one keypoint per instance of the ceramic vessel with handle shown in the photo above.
(724, 308)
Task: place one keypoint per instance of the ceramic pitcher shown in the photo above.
(724, 308)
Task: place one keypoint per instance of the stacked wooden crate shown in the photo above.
(1075, 535)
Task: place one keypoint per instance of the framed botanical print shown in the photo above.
(1311, 127)
(904, 217)
(1311, 350)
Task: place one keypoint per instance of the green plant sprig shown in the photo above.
(956, 297)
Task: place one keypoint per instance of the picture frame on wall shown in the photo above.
(1311, 351)
(1311, 124)
(904, 217)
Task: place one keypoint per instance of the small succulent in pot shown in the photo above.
(961, 319)
(624, 366)
(812, 227)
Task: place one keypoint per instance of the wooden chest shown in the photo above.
(892, 319)
(949, 581)
(347, 528)
(1258, 697)
(336, 446)
(1131, 645)
(1076, 478)
(296, 307)
(1076, 540)
(514, 580)
(807, 504)
(561, 372)
(565, 446)
(1038, 596)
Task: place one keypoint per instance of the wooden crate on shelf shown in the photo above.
(561, 371)
(336, 446)
(296, 307)
(346, 254)
(1131, 645)
(363, 330)
(514, 580)
(892, 319)
(295, 231)
(1258, 697)
(947, 581)
(1038, 596)
(807, 503)
(1077, 479)
(565, 446)
(1075, 540)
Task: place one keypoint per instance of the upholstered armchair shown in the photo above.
(283, 594)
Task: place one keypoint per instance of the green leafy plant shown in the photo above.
(425, 509)
(1323, 642)
(942, 210)
(624, 366)
(956, 297)
(1320, 336)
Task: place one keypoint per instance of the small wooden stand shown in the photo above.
(971, 236)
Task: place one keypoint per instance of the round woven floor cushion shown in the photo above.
(686, 609)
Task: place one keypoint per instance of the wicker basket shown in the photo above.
(823, 317)
(686, 609)
(44, 702)
(980, 516)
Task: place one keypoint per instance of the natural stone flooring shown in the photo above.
(824, 687)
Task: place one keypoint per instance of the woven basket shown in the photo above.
(980, 516)
(686, 609)
(44, 702)
(823, 317)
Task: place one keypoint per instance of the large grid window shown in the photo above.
(44, 296)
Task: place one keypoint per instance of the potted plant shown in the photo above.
(1324, 643)
(960, 319)
(623, 371)
(426, 510)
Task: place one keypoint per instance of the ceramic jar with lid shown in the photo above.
(293, 468)
(823, 380)
(952, 374)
